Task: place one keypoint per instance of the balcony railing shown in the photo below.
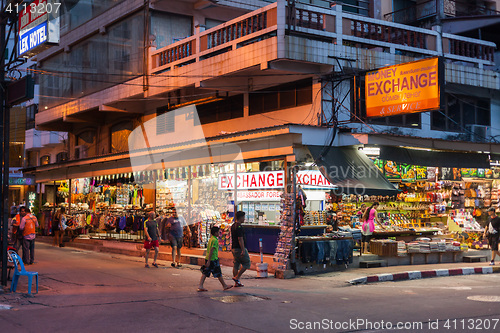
(428, 9)
(334, 25)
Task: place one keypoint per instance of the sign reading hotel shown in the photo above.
(406, 88)
(38, 26)
(252, 180)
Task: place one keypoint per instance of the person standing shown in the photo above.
(13, 210)
(152, 238)
(492, 232)
(17, 234)
(241, 259)
(57, 227)
(369, 218)
(212, 265)
(28, 225)
(176, 224)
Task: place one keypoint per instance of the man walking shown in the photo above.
(28, 225)
(176, 236)
(492, 231)
(152, 237)
(239, 249)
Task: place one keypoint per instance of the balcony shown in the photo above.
(428, 10)
(277, 44)
(331, 26)
(43, 139)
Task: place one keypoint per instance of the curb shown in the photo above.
(414, 275)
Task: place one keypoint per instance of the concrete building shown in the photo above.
(269, 77)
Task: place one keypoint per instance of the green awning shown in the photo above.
(435, 158)
(351, 171)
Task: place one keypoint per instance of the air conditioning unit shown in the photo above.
(478, 133)
(81, 152)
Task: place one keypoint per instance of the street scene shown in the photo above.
(256, 165)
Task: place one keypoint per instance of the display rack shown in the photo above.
(284, 246)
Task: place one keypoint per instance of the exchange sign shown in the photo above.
(406, 88)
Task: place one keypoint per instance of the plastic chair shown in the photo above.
(18, 261)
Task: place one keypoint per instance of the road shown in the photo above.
(82, 291)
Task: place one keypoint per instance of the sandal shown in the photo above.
(202, 290)
(237, 283)
(147, 266)
(227, 288)
(155, 264)
(179, 265)
(173, 264)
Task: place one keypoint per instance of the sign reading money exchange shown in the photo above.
(406, 88)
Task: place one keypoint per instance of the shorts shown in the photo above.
(240, 258)
(212, 268)
(493, 241)
(148, 245)
(175, 241)
(366, 238)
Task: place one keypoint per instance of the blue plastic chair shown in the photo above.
(18, 261)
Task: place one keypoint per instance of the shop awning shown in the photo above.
(434, 158)
(351, 171)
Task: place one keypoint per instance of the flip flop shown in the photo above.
(202, 290)
(227, 288)
(147, 266)
(156, 265)
(237, 283)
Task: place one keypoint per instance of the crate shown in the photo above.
(385, 249)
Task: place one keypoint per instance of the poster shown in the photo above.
(407, 173)
(421, 172)
(392, 170)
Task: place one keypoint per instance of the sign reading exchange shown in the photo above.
(406, 88)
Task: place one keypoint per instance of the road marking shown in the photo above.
(5, 307)
(485, 298)
(457, 288)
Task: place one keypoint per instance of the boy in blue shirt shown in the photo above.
(212, 265)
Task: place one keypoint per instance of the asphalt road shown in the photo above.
(83, 291)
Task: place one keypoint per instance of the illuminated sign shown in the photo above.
(32, 38)
(21, 181)
(313, 178)
(38, 27)
(259, 196)
(252, 180)
(406, 88)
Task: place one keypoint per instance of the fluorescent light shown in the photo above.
(371, 150)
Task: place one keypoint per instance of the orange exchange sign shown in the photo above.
(406, 88)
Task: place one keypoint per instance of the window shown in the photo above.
(44, 160)
(281, 97)
(31, 111)
(61, 157)
(460, 111)
(119, 137)
(87, 139)
(406, 120)
(228, 108)
(361, 7)
(165, 120)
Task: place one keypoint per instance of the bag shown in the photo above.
(63, 223)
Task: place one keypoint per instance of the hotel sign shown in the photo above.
(407, 88)
(38, 27)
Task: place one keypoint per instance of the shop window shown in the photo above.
(281, 97)
(119, 137)
(44, 160)
(460, 111)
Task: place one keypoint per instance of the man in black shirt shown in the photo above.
(492, 231)
(152, 237)
(240, 253)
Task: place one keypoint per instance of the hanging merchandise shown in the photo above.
(285, 239)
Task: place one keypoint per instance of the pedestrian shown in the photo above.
(212, 265)
(13, 210)
(369, 218)
(17, 234)
(492, 232)
(57, 228)
(241, 259)
(176, 224)
(28, 225)
(152, 237)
